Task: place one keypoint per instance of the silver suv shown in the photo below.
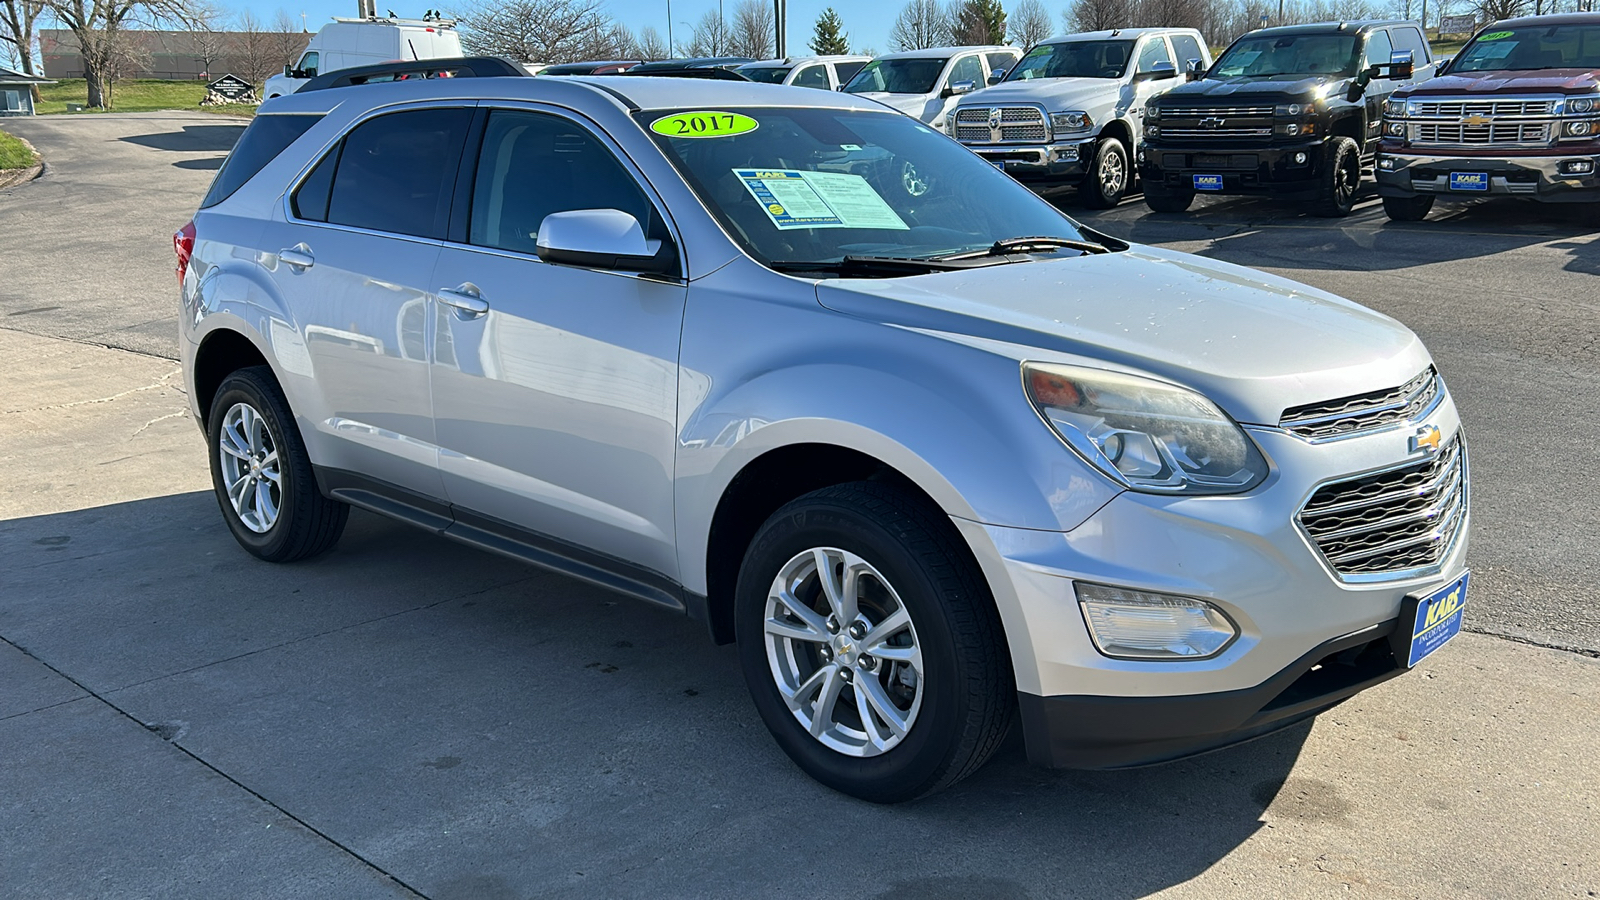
(936, 461)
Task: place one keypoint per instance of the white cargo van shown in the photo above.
(344, 43)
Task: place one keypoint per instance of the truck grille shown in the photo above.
(1216, 133)
(1200, 112)
(1457, 109)
(1532, 134)
(1364, 412)
(1392, 522)
(1482, 122)
(1017, 124)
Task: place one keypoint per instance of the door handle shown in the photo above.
(464, 298)
(297, 257)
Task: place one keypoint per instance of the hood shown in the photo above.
(1055, 94)
(1231, 88)
(1254, 343)
(1539, 80)
(910, 104)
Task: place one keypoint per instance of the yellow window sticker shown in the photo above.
(705, 123)
(793, 198)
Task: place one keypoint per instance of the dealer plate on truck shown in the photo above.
(1438, 618)
(1208, 182)
(1469, 181)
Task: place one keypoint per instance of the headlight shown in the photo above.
(1071, 121)
(1582, 104)
(1394, 109)
(1152, 111)
(1394, 129)
(1129, 624)
(950, 121)
(1291, 109)
(1145, 434)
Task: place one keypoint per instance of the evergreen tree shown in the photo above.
(980, 22)
(828, 37)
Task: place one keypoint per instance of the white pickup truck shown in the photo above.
(1070, 113)
(346, 43)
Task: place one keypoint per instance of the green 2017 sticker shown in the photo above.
(705, 123)
(1495, 35)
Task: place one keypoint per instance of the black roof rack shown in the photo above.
(713, 74)
(405, 70)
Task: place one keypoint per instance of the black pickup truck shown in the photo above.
(1290, 112)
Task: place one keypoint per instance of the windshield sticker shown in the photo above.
(795, 199)
(704, 123)
(1493, 51)
(1496, 35)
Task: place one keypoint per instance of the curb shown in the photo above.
(12, 177)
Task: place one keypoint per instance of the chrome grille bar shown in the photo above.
(1364, 412)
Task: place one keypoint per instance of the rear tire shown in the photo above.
(944, 675)
(1163, 199)
(1340, 179)
(262, 475)
(1408, 209)
(1109, 175)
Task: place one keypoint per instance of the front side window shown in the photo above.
(1074, 59)
(1531, 47)
(812, 77)
(1153, 51)
(1291, 54)
(897, 76)
(396, 172)
(532, 165)
(308, 63)
(807, 187)
(1379, 50)
(969, 69)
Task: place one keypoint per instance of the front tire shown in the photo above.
(871, 645)
(1408, 209)
(1109, 175)
(262, 475)
(1340, 179)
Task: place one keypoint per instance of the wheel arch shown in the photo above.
(1122, 131)
(221, 352)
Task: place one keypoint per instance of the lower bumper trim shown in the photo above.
(1097, 732)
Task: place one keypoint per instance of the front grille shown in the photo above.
(1531, 134)
(1017, 124)
(1393, 522)
(1170, 132)
(1364, 412)
(1456, 109)
(1216, 111)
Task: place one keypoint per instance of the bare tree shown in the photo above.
(548, 31)
(920, 25)
(98, 26)
(17, 18)
(254, 48)
(209, 40)
(128, 53)
(1097, 15)
(711, 36)
(1492, 10)
(649, 44)
(752, 32)
(287, 40)
(1030, 24)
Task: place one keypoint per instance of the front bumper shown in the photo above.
(1063, 163)
(1402, 174)
(1270, 169)
(1246, 555)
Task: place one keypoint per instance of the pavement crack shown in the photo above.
(158, 384)
(30, 712)
(1535, 642)
(141, 428)
(332, 841)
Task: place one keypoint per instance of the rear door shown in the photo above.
(355, 256)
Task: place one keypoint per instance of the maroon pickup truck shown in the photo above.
(1517, 112)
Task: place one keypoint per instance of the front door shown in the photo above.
(555, 401)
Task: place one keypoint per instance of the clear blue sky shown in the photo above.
(867, 25)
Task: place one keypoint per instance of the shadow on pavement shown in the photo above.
(212, 164)
(192, 139)
(480, 728)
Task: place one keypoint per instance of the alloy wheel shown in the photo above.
(1113, 174)
(251, 472)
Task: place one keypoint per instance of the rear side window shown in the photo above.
(1187, 48)
(847, 70)
(262, 141)
(395, 173)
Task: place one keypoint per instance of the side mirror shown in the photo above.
(288, 70)
(996, 76)
(1401, 65)
(1159, 70)
(602, 239)
(1358, 84)
(957, 88)
(1194, 70)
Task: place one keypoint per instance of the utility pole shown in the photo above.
(672, 49)
(779, 8)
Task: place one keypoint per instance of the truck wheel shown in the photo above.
(1408, 209)
(1163, 199)
(1341, 178)
(871, 644)
(262, 475)
(1108, 175)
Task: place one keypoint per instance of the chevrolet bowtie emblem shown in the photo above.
(1426, 439)
(1212, 122)
(1475, 120)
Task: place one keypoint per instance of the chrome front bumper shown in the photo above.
(1065, 161)
(1414, 174)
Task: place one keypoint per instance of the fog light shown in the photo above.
(1128, 624)
(1386, 164)
(1394, 129)
(1579, 129)
(1300, 159)
(1577, 166)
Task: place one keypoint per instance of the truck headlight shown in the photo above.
(1129, 624)
(1582, 104)
(1578, 129)
(1071, 121)
(1152, 111)
(1394, 109)
(1147, 435)
(1394, 129)
(1289, 110)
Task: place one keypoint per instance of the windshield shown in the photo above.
(1290, 54)
(897, 76)
(1074, 59)
(1544, 47)
(809, 185)
(764, 74)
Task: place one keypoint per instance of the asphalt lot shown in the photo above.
(408, 717)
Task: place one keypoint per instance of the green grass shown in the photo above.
(14, 154)
(143, 95)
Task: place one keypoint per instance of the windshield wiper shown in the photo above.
(880, 266)
(1027, 245)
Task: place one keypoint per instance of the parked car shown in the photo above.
(1070, 113)
(826, 72)
(594, 67)
(692, 342)
(347, 43)
(923, 84)
(1289, 112)
(1517, 112)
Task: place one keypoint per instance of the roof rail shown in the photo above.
(713, 74)
(404, 70)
